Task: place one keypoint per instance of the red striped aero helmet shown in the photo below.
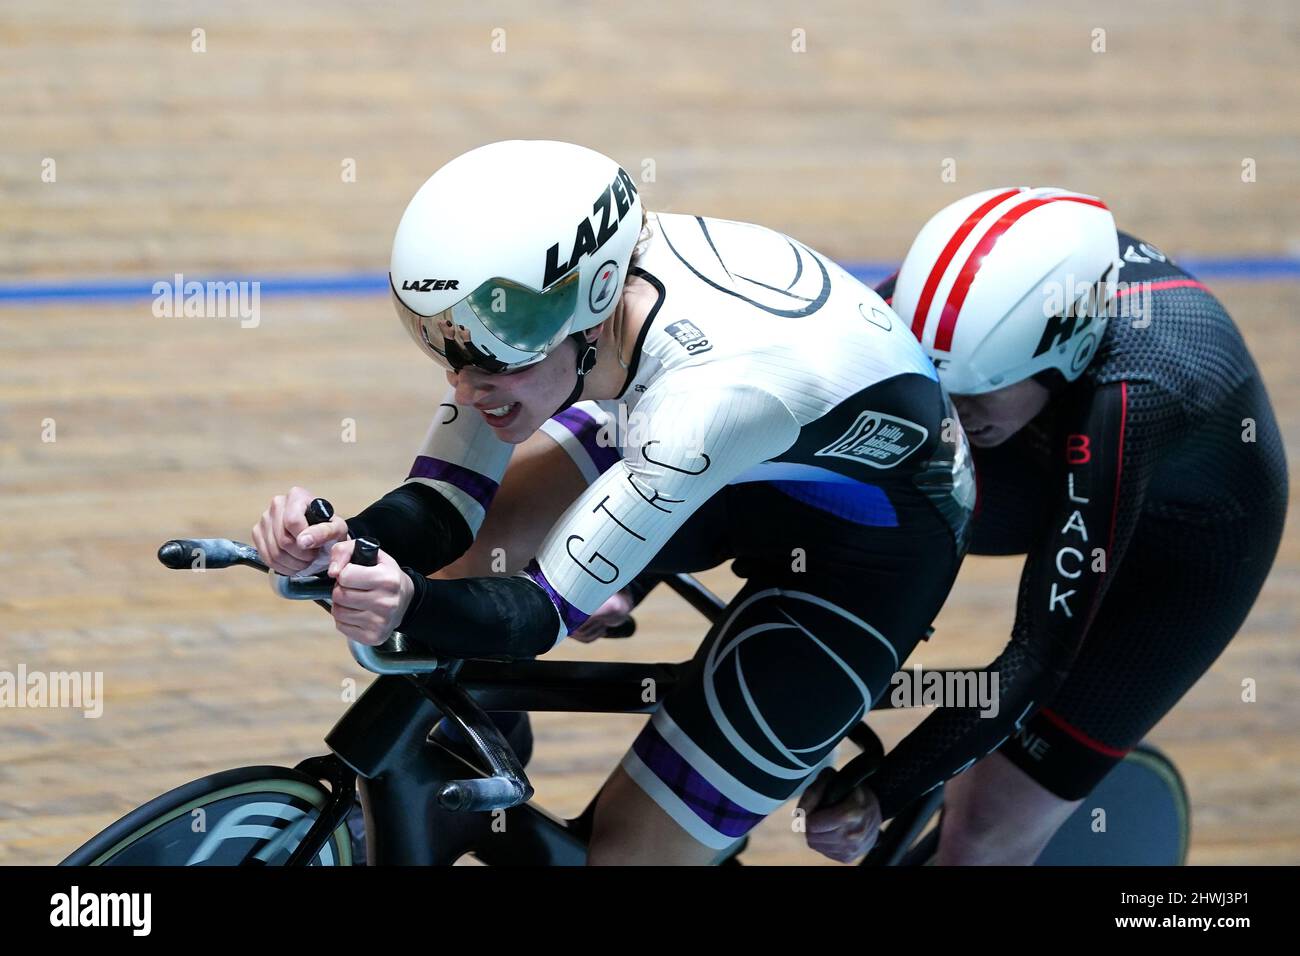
(1008, 283)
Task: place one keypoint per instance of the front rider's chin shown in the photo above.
(528, 422)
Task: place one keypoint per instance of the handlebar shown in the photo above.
(857, 770)
(506, 786)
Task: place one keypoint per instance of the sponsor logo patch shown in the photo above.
(603, 286)
(689, 337)
(430, 285)
(1143, 254)
(592, 232)
(878, 440)
(877, 317)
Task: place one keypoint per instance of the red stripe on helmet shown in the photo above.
(957, 296)
(945, 257)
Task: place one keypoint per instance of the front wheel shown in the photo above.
(246, 816)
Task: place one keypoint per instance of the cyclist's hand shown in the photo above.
(846, 830)
(283, 539)
(612, 613)
(369, 602)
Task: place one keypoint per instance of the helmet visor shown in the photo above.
(525, 320)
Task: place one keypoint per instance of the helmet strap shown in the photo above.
(586, 362)
(1052, 380)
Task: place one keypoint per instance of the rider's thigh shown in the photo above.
(829, 611)
(631, 830)
(996, 814)
(541, 481)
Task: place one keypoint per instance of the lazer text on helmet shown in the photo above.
(612, 205)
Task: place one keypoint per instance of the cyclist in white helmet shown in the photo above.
(634, 393)
(1124, 442)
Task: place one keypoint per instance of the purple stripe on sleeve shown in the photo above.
(587, 430)
(708, 803)
(479, 487)
(569, 614)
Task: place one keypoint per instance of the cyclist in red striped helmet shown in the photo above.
(1124, 442)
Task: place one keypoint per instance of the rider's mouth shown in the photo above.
(501, 415)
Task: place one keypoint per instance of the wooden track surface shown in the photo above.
(229, 162)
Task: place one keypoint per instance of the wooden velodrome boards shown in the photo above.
(290, 144)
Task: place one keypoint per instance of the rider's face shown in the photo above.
(531, 394)
(993, 417)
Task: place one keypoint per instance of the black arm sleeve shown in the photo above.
(1110, 448)
(418, 526)
(502, 618)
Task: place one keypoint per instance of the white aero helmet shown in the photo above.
(1008, 283)
(511, 247)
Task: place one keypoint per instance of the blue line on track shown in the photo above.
(63, 292)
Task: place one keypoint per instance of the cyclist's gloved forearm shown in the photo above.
(417, 526)
(952, 738)
(505, 617)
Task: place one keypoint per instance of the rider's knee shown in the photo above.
(964, 843)
(973, 832)
(994, 816)
(974, 806)
(629, 828)
(605, 850)
(616, 840)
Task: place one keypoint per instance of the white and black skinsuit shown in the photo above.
(776, 411)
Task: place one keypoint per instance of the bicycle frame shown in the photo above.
(383, 739)
(414, 790)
